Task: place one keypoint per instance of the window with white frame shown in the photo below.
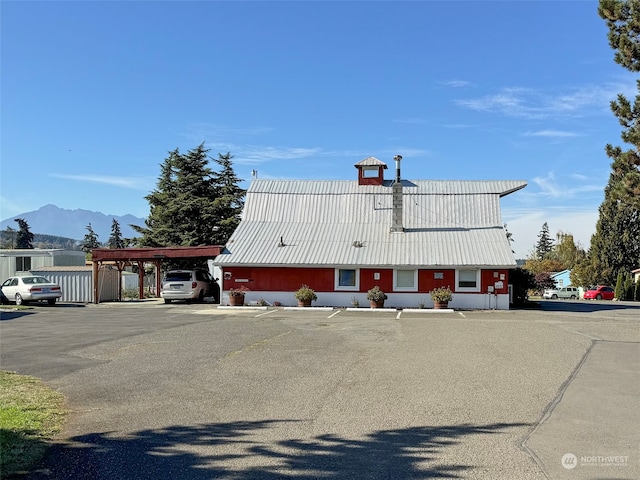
(347, 279)
(370, 172)
(405, 280)
(468, 280)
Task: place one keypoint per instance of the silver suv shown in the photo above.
(565, 292)
(187, 285)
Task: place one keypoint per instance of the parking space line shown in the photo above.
(334, 314)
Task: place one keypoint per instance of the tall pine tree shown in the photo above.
(192, 205)
(90, 240)
(545, 243)
(24, 238)
(229, 199)
(115, 240)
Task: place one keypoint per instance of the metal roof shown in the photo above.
(447, 223)
(370, 161)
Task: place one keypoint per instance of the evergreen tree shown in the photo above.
(192, 205)
(9, 238)
(24, 238)
(620, 287)
(90, 240)
(115, 240)
(229, 199)
(615, 246)
(545, 243)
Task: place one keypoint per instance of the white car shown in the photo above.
(565, 292)
(187, 285)
(30, 289)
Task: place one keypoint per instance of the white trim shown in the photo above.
(396, 288)
(468, 289)
(342, 288)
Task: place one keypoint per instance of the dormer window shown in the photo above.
(370, 171)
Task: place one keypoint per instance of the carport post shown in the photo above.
(140, 280)
(95, 282)
(158, 266)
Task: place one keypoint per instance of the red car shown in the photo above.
(600, 293)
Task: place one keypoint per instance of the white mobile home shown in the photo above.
(22, 261)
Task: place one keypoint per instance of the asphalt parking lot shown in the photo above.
(197, 392)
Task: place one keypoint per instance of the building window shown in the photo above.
(468, 280)
(370, 172)
(347, 279)
(405, 280)
(560, 283)
(23, 264)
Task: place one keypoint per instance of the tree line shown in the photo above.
(614, 250)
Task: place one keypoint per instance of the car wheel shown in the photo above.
(554, 296)
(201, 296)
(166, 300)
(19, 300)
(573, 297)
(598, 297)
(51, 301)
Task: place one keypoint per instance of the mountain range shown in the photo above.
(53, 220)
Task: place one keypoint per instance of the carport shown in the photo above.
(121, 257)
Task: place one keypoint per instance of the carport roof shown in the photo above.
(154, 254)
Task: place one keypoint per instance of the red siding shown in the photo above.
(379, 180)
(426, 282)
(489, 279)
(283, 279)
(279, 279)
(367, 281)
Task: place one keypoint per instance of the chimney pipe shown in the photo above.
(396, 225)
(397, 158)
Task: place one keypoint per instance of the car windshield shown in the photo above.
(178, 276)
(32, 280)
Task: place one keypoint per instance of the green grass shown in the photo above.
(31, 414)
(15, 307)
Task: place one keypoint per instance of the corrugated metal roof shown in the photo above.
(447, 223)
(370, 161)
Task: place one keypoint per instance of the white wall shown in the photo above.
(396, 300)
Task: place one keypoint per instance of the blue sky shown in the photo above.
(94, 95)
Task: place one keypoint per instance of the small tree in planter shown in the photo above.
(441, 297)
(305, 295)
(376, 297)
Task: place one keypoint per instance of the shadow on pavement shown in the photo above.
(587, 306)
(233, 450)
(9, 314)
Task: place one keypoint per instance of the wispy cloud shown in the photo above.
(456, 83)
(552, 134)
(134, 183)
(535, 104)
(550, 187)
(260, 154)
